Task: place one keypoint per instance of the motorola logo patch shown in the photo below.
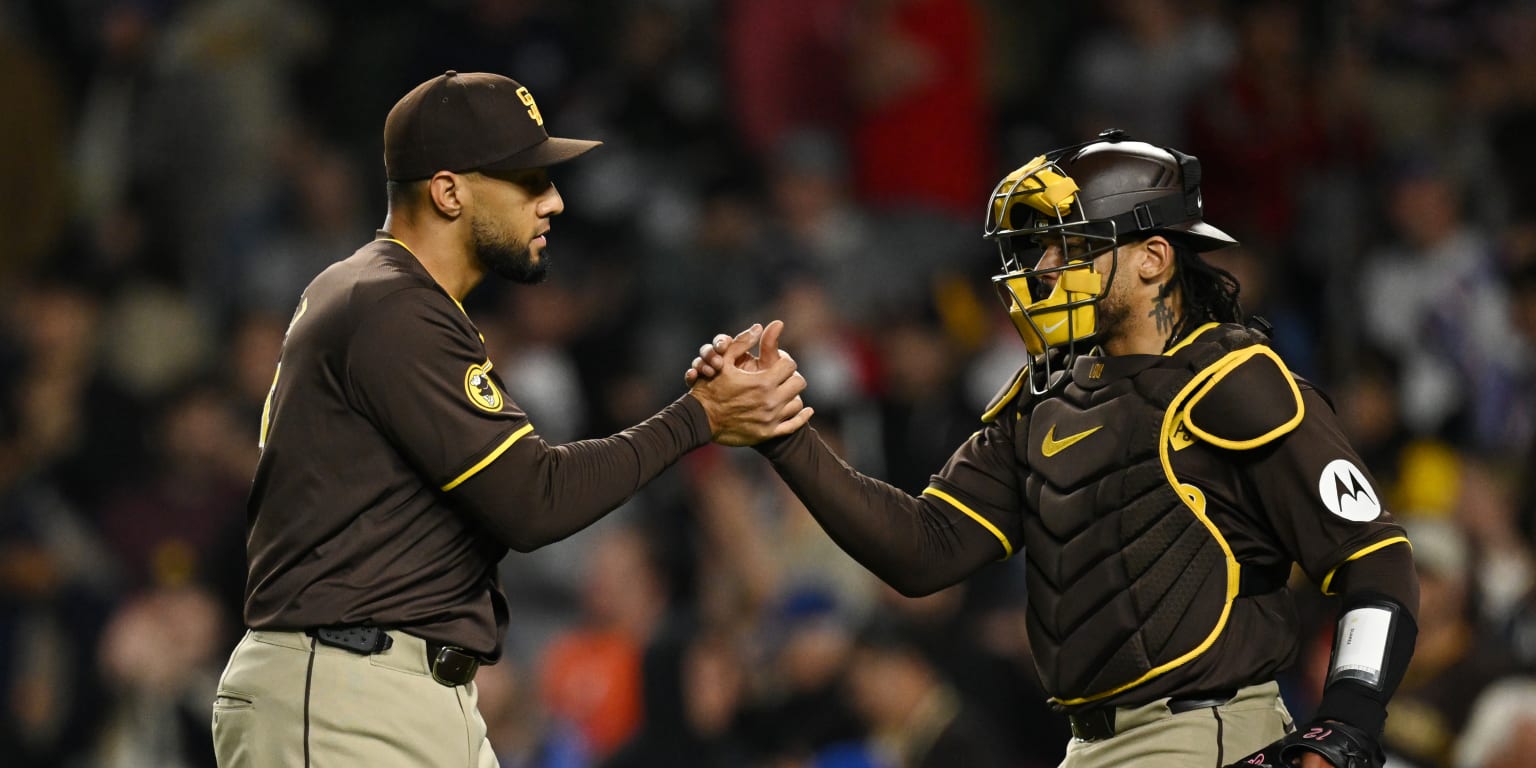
(1345, 491)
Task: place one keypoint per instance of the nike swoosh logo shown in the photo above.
(1052, 328)
(1052, 446)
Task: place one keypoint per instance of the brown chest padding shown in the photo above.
(1125, 580)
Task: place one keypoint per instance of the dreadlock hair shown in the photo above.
(1208, 293)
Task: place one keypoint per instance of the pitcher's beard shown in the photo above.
(508, 258)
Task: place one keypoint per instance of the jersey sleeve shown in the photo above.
(1318, 496)
(417, 369)
(981, 481)
(919, 544)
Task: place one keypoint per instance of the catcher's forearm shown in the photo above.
(1372, 647)
(1374, 642)
(916, 545)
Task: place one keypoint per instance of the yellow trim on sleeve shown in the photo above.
(490, 457)
(1383, 544)
(1227, 365)
(985, 523)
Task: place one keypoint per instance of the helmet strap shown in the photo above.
(1153, 214)
(1189, 173)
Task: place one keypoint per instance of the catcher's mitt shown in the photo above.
(1345, 746)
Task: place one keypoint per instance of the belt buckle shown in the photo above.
(1094, 725)
(453, 666)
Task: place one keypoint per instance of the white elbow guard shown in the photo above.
(1375, 640)
(1360, 648)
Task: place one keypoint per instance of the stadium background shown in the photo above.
(175, 171)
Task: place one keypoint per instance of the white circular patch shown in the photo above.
(1346, 492)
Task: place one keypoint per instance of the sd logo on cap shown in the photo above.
(470, 121)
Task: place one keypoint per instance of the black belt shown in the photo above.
(449, 665)
(1099, 724)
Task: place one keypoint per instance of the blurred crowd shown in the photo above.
(178, 170)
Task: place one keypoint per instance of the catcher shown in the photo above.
(1160, 469)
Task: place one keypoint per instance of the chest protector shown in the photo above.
(1127, 577)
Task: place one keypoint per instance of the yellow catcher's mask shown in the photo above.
(1066, 314)
(1036, 184)
(1033, 210)
(1053, 216)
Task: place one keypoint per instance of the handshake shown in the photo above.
(749, 398)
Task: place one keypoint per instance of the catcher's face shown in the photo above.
(1061, 252)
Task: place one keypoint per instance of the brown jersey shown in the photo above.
(1158, 501)
(386, 418)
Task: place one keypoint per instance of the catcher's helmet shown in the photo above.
(1085, 199)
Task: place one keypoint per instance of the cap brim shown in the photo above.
(551, 151)
(1205, 236)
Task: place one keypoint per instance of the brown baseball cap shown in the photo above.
(470, 121)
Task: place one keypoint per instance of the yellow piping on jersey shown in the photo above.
(298, 313)
(1190, 338)
(490, 457)
(1383, 544)
(1002, 402)
(266, 406)
(1229, 364)
(1192, 499)
(1018, 381)
(400, 243)
(418, 258)
(985, 523)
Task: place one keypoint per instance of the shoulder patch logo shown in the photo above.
(481, 388)
(1345, 491)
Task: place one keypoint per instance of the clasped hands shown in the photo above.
(749, 398)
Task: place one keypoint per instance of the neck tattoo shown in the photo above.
(1162, 310)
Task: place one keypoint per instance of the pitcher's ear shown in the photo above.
(448, 192)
